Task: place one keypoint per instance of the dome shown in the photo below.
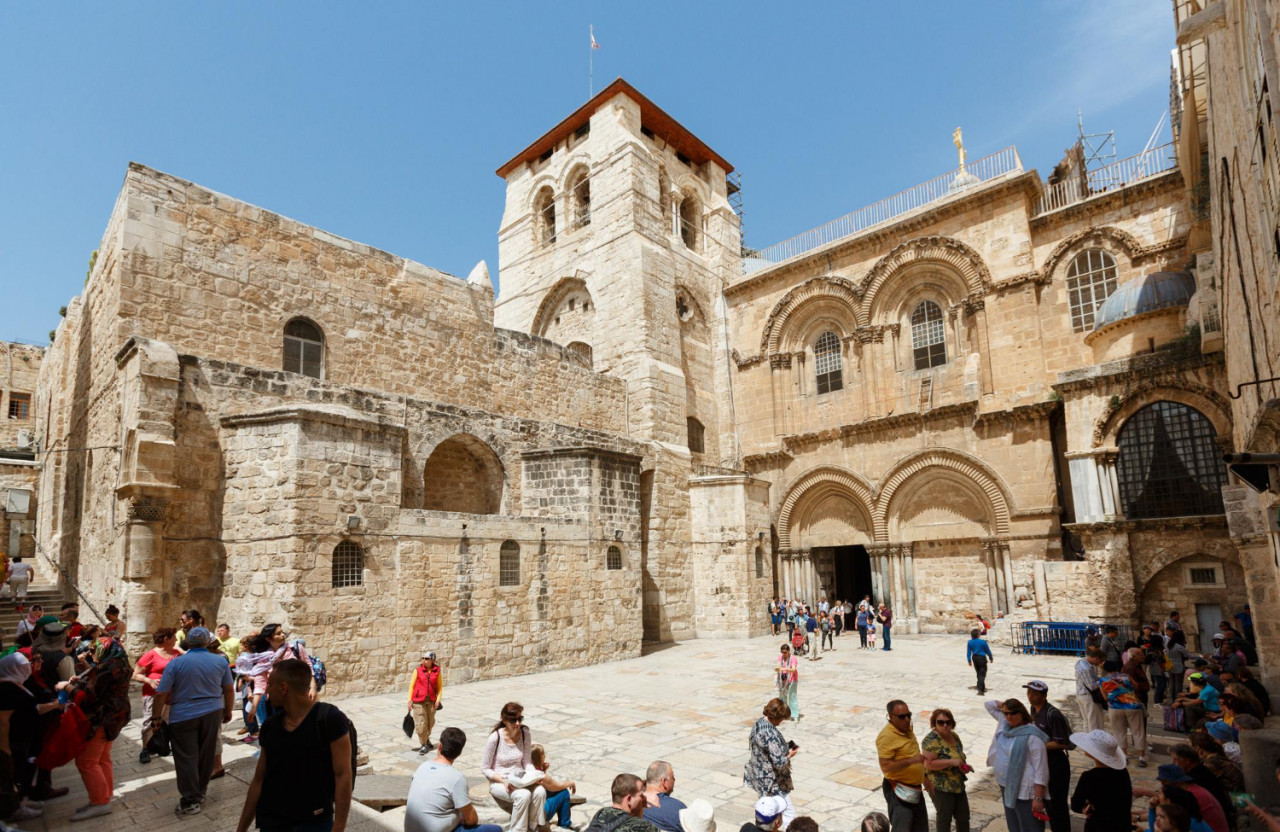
(1148, 293)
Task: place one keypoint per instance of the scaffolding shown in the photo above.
(733, 182)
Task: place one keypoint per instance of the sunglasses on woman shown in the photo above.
(945, 722)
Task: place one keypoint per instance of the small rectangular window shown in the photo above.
(20, 406)
(581, 132)
(1204, 575)
(509, 564)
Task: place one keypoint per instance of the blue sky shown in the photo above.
(383, 122)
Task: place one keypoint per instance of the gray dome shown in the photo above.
(1145, 294)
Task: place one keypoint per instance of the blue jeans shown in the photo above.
(558, 804)
(885, 630)
(1020, 819)
(481, 827)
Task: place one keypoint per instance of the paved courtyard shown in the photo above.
(691, 704)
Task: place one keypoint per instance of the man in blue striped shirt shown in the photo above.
(978, 653)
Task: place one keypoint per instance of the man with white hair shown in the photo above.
(198, 689)
(661, 809)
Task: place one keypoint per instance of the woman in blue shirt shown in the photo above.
(978, 654)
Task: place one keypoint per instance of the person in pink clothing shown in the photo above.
(147, 672)
(508, 753)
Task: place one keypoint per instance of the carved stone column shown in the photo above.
(993, 584)
(144, 566)
(909, 571)
(1006, 564)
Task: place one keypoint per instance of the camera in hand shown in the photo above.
(792, 745)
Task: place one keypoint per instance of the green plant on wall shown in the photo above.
(93, 259)
(1115, 402)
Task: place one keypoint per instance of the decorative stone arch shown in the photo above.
(830, 294)
(1202, 398)
(463, 474)
(973, 469)
(818, 482)
(1106, 237)
(577, 201)
(1162, 557)
(947, 252)
(552, 300)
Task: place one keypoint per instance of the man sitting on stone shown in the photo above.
(627, 812)
(661, 809)
(769, 811)
(438, 799)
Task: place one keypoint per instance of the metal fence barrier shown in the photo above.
(1058, 637)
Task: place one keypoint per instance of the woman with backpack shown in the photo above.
(508, 757)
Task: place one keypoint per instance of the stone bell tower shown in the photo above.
(617, 240)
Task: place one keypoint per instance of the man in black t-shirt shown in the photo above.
(1057, 730)
(304, 773)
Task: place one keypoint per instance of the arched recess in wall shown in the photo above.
(1106, 237)
(939, 504)
(696, 362)
(567, 313)
(463, 474)
(983, 486)
(820, 299)
(956, 262)
(1185, 581)
(826, 506)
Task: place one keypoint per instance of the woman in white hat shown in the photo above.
(1104, 793)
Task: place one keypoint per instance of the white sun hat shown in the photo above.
(1101, 746)
(699, 816)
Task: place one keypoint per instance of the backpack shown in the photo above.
(321, 722)
(318, 671)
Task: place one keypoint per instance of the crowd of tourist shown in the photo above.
(65, 696)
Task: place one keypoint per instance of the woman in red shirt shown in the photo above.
(149, 669)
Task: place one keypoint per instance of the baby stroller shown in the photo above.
(800, 642)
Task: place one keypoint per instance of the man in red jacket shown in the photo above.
(424, 698)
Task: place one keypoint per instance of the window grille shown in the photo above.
(303, 348)
(928, 341)
(509, 564)
(613, 558)
(1204, 575)
(544, 217)
(20, 406)
(1091, 278)
(348, 564)
(582, 201)
(759, 562)
(1169, 463)
(697, 435)
(827, 363)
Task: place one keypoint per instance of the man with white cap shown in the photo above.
(769, 811)
(198, 689)
(1104, 793)
(424, 698)
(1051, 721)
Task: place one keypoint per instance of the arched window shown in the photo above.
(348, 564)
(1091, 278)
(759, 562)
(927, 339)
(697, 435)
(690, 221)
(303, 348)
(613, 558)
(580, 197)
(580, 348)
(827, 363)
(1169, 464)
(544, 217)
(509, 564)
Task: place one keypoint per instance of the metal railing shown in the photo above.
(1067, 638)
(1112, 177)
(973, 173)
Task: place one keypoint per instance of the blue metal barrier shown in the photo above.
(1060, 637)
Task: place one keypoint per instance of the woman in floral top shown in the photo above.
(945, 767)
(787, 671)
(768, 770)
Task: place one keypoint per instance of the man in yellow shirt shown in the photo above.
(230, 646)
(903, 768)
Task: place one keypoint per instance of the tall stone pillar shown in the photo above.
(909, 563)
(993, 585)
(1006, 564)
(1258, 561)
(145, 571)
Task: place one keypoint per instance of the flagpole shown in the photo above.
(591, 79)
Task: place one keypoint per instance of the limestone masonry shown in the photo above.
(1009, 397)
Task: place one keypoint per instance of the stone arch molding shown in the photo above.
(1205, 399)
(1147, 571)
(1105, 237)
(945, 251)
(552, 299)
(832, 290)
(816, 480)
(977, 472)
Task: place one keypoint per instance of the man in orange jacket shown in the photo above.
(424, 698)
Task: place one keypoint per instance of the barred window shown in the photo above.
(759, 562)
(827, 363)
(348, 564)
(580, 197)
(697, 435)
(928, 341)
(303, 348)
(613, 558)
(1091, 278)
(544, 218)
(1169, 463)
(509, 564)
(20, 406)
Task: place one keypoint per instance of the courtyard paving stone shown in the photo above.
(691, 704)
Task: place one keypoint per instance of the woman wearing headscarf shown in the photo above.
(28, 624)
(1021, 761)
(19, 724)
(103, 694)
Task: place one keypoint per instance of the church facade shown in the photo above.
(1001, 398)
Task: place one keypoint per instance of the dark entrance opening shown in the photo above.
(853, 573)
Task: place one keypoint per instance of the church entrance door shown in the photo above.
(853, 573)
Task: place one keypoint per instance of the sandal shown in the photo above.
(219, 773)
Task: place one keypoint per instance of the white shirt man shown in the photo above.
(438, 799)
(1087, 682)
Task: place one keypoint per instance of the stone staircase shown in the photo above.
(47, 595)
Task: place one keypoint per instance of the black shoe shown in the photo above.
(422, 749)
(144, 757)
(430, 745)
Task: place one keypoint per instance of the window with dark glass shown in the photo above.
(509, 564)
(613, 558)
(697, 435)
(928, 341)
(1169, 463)
(1091, 278)
(827, 363)
(303, 348)
(348, 564)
